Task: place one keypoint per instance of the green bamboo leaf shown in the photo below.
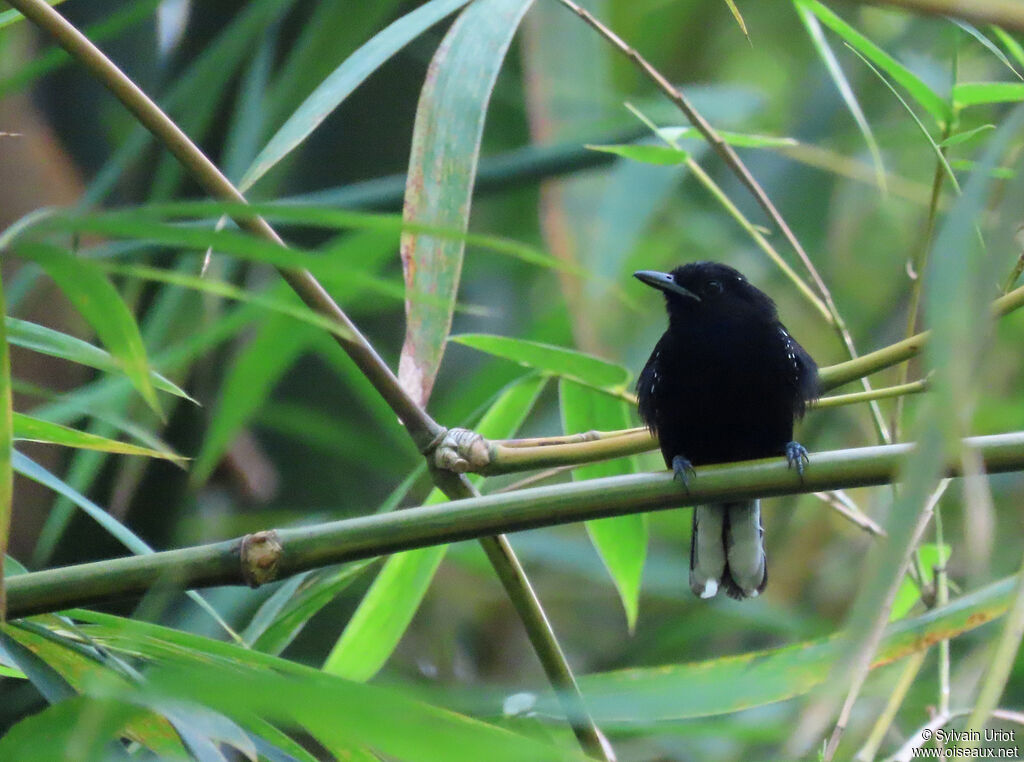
(982, 93)
(386, 610)
(197, 114)
(328, 35)
(384, 614)
(663, 156)
(330, 93)
(621, 541)
(332, 266)
(98, 302)
(144, 224)
(236, 682)
(251, 378)
(6, 451)
(139, 225)
(74, 667)
(43, 669)
(29, 429)
(738, 139)
(32, 470)
(567, 363)
(835, 71)
(109, 391)
(739, 18)
(289, 305)
(963, 137)
(283, 615)
(939, 155)
(50, 733)
(47, 341)
(642, 697)
(992, 48)
(1013, 47)
(442, 170)
(924, 95)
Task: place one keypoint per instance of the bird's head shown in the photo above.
(708, 290)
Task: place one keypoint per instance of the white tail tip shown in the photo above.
(710, 589)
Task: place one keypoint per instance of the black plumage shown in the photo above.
(725, 382)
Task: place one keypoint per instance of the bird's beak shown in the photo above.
(663, 282)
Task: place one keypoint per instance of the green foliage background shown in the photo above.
(889, 142)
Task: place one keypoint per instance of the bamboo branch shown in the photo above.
(463, 450)
(369, 536)
(424, 431)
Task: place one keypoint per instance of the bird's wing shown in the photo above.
(802, 368)
(646, 386)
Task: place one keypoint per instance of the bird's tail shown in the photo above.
(727, 550)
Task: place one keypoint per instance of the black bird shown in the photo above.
(725, 382)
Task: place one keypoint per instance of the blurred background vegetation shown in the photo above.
(288, 432)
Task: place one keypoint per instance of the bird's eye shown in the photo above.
(713, 287)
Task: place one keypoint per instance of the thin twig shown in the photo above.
(533, 479)
(849, 510)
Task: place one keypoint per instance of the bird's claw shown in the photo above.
(796, 455)
(683, 471)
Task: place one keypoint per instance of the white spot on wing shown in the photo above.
(790, 346)
(710, 589)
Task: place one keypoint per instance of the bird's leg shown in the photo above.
(682, 470)
(796, 455)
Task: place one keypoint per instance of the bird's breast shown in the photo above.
(720, 393)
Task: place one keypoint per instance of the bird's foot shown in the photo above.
(683, 471)
(796, 455)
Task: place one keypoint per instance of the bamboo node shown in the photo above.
(462, 450)
(260, 555)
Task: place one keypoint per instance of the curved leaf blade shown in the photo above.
(442, 170)
(680, 691)
(28, 429)
(567, 363)
(96, 299)
(983, 93)
(620, 541)
(47, 341)
(330, 93)
(662, 156)
(828, 57)
(924, 95)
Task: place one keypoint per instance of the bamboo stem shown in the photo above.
(369, 536)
